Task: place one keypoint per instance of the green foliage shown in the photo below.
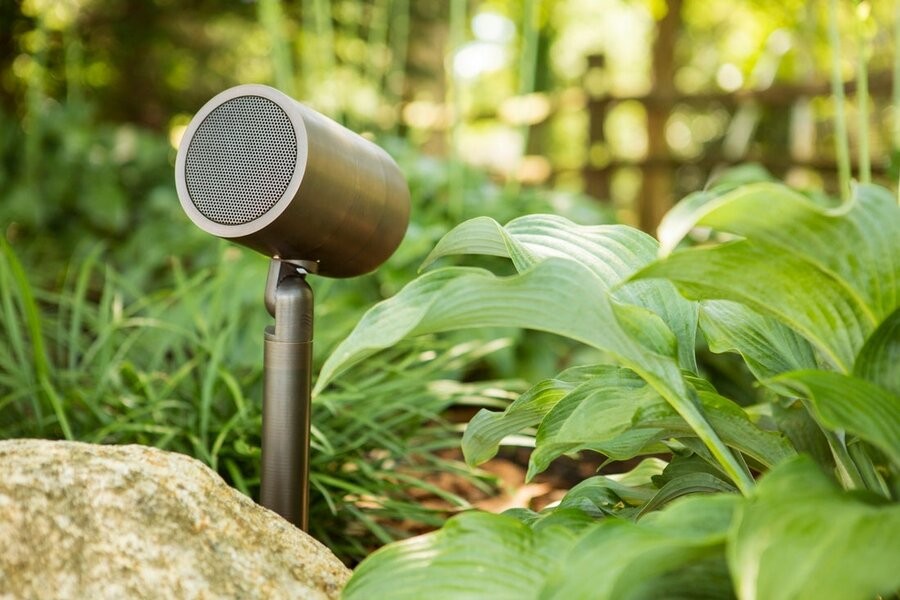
(180, 368)
(679, 552)
(84, 188)
(800, 536)
(807, 294)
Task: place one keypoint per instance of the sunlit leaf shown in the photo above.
(612, 252)
(477, 555)
(799, 536)
(618, 558)
(831, 274)
(858, 242)
(579, 307)
(810, 301)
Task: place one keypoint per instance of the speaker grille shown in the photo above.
(240, 161)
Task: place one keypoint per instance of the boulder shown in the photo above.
(87, 521)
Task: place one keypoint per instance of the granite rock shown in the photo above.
(87, 521)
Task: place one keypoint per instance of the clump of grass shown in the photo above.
(180, 368)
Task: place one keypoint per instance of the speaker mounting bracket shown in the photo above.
(287, 362)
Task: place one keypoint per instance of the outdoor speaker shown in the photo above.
(260, 169)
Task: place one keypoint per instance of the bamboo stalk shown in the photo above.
(527, 75)
(455, 203)
(862, 97)
(326, 58)
(837, 89)
(377, 41)
(74, 61)
(271, 17)
(34, 96)
(896, 95)
(896, 90)
(399, 39)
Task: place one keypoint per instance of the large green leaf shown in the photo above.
(477, 555)
(801, 537)
(556, 295)
(879, 359)
(621, 416)
(703, 579)
(831, 274)
(618, 559)
(858, 243)
(474, 555)
(486, 430)
(598, 415)
(847, 403)
(613, 411)
(785, 286)
(768, 347)
(612, 252)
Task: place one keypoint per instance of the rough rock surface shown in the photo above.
(86, 521)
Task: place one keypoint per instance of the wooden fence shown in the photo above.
(660, 166)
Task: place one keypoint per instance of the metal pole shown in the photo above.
(284, 486)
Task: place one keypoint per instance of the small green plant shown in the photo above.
(795, 496)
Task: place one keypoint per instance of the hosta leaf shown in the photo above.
(811, 301)
(684, 464)
(572, 519)
(486, 430)
(805, 435)
(704, 579)
(611, 252)
(596, 415)
(689, 483)
(830, 274)
(879, 359)
(556, 295)
(478, 555)
(602, 495)
(618, 559)
(740, 432)
(614, 412)
(800, 537)
(847, 403)
(647, 327)
(858, 243)
(481, 235)
(730, 421)
(768, 347)
(475, 555)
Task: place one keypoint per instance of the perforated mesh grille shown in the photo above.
(240, 160)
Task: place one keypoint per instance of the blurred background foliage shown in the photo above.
(121, 322)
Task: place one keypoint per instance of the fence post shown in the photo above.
(596, 177)
(656, 191)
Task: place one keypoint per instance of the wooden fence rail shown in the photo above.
(660, 166)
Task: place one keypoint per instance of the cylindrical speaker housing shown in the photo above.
(262, 170)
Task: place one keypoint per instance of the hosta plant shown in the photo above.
(792, 497)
